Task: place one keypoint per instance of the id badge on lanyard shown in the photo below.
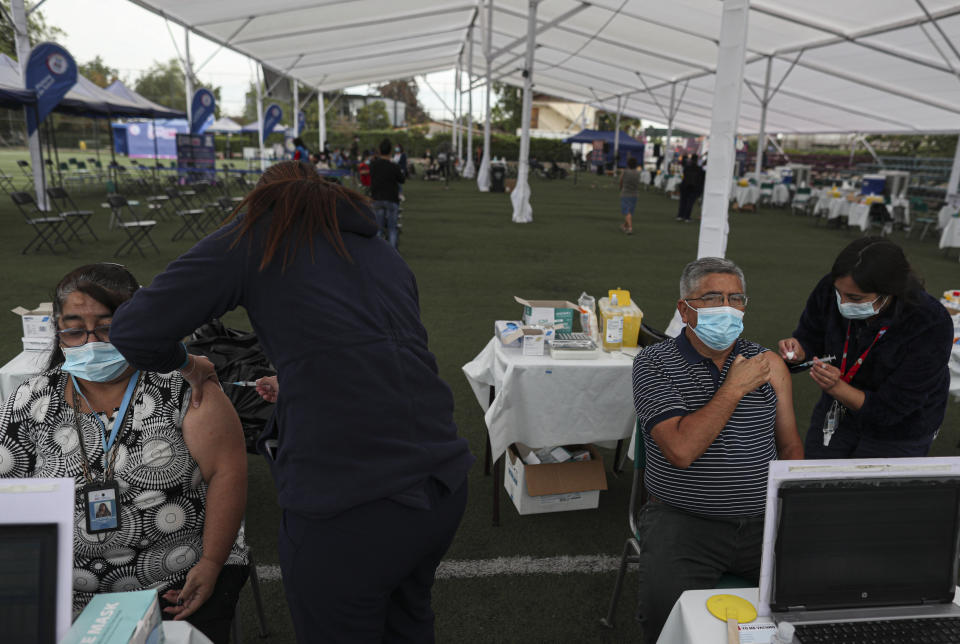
(836, 411)
(101, 499)
(831, 421)
(101, 502)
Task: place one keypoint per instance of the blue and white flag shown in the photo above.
(51, 72)
(202, 109)
(271, 118)
(301, 122)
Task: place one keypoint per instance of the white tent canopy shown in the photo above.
(857, 65)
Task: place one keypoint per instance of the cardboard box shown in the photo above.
(37, 344)
(509, 332)
(534, 341)
(37, 323)
(119, 618)
(554, 487)
(555, 313)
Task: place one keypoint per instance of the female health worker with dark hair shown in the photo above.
(369, 469)
(885, 393)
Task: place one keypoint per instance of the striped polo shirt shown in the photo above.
(730, 479)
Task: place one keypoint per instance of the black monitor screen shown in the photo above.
(866, 542)
(28, 583)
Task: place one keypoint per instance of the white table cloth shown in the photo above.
(857, 216)
(839, 207)
(659, 180)
(542, 402)
(672, 184)
(781, 194)
(645, 177)
(950, 237)
(747, 195)
(691, 623)
(943, 217)
(21, 369)
(824, 199)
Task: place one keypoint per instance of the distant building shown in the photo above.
(556, 118)
(348, 104)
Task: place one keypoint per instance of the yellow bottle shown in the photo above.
(625, 332)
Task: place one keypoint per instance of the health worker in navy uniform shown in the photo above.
(885, 391)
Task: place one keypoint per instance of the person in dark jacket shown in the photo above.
(885, 392)
(369, 469)
(386, 177)
(691, 187)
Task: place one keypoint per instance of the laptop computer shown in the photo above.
(865, 549)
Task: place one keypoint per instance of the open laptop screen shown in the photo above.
(866, 542)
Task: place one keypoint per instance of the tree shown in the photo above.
(608, 120)
(507, 112)
(373, 116)
(99, 72)
(164, 83)
(406, 91)
(37, 30)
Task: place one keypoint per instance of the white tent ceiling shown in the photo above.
(852, 65)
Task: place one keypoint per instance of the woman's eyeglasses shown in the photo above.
(76, 337)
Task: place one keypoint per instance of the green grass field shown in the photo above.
(470, 261)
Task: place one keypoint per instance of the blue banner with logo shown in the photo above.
(201, 111)
(301, 122)
(51, 72)
(271, 118)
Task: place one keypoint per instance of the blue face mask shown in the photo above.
(94, 361)
(856, 310)
(718, 326)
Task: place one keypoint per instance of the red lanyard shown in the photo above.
(855, 367)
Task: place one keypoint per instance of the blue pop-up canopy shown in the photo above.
(628, 146)
(135, 139)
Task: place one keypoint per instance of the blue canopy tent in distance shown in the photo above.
(627, 146)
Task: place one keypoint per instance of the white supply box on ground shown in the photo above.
(553, 487)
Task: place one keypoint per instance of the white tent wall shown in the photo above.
(520, 197)
(483, 174)
(469, 170)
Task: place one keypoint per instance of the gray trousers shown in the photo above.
(683, 551)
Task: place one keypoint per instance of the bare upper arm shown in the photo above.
(213, 433)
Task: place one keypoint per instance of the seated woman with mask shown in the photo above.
(161, 484)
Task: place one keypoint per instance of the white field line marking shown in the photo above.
(503, 566)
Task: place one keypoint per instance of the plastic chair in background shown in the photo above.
(801, 201)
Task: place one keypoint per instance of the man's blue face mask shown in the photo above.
(718, 326)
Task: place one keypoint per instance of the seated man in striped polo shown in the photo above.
(714, 410)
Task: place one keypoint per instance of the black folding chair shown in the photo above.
(46, 227)
(126, 218)
(75, 218)
(6, 183)
(190, 218)
(25, 169)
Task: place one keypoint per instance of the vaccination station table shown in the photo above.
(540, 401)
(691, 623)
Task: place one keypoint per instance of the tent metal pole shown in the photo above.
(469, 170)
(723, 128)
(188, 75)
(616, 136)
(322, 121)
(952, 186)
(296, 108)
(483, 175)
(454, 139)
(762, 135)
(156, 152)
(96, 137)
(23, 54)
(667, 146)
(263, 161)
(56, 152)
(520, 197)
(460, 116)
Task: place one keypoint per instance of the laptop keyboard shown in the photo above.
(933, 630)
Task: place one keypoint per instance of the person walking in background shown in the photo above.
(300, 151)
(400, 158)
(362, 446)
(386, 177)
(691, 187)
(629, 192)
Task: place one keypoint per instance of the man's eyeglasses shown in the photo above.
(76, 337)
(738, 300)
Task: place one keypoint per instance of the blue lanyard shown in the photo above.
(117, 420)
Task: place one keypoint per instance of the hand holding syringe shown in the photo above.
(809, 363)
(268, 387)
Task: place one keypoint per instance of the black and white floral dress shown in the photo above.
(162, 493)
